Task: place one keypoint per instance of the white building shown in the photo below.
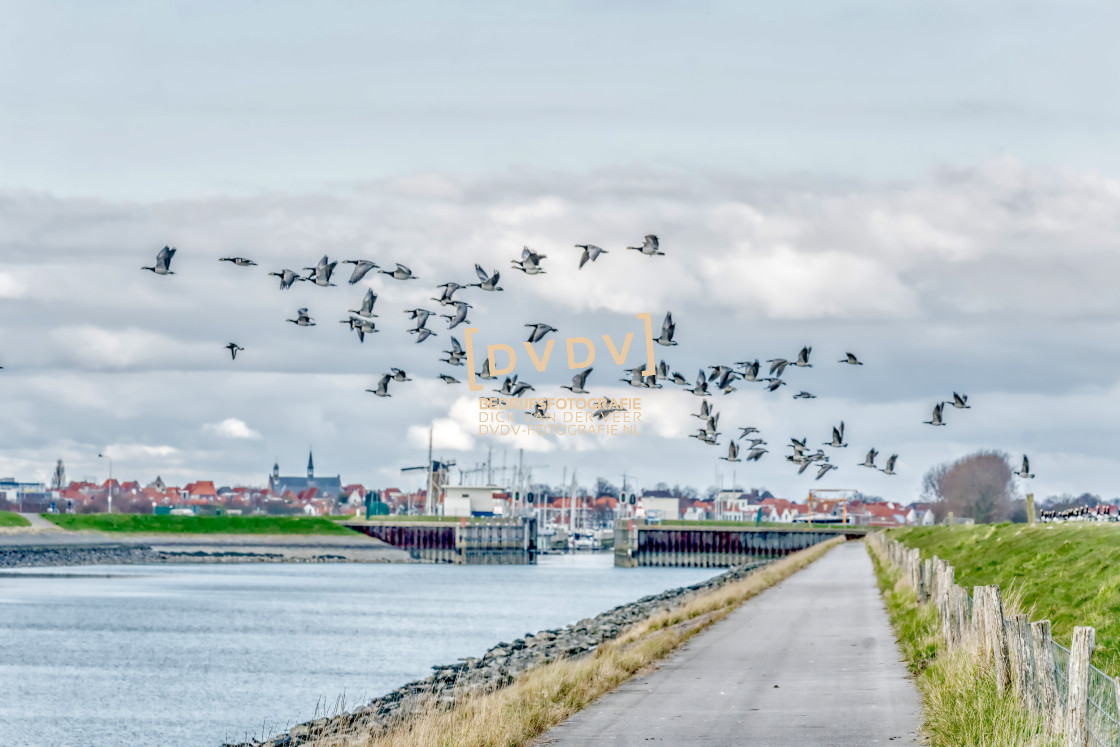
(471, 500)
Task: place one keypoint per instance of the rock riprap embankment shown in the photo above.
(493, 670)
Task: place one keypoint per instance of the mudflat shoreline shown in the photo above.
(60, 548)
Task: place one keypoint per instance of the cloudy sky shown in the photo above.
(933, 187)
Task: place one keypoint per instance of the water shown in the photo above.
(202, 654)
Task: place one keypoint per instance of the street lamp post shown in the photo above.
(102, 456)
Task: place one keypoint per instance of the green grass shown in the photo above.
(10, 519)
(960, 703)
(149, 523)
(1067, 573)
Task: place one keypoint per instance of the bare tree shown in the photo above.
(58, 480)
(980, 486)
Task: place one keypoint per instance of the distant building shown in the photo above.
(329, 488)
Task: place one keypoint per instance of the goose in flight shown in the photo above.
(233, 349)
(401, 273)
(507, 385)
(708, 438)
(485, 374)
(635, 377)
(803, 358)
(889, 469)
(755, 442)
(678, 379)
(578, 382)
(804, 395)
(421, 317)
(302, 319)
(1025, 470)
(755, 454)
(798, 447)
(449, 379)
(725, 380)
(163, 261)
(539, 411)
(361, 326)
(650, 246)
(539, 330)
(460, 315)
(663, 371)
(399, 374)
(837, 437)
(750, 370)
(851, 360)
(489, 282)
(747, 430)
(717, 372)
(936, 420)
(773, 384)
(732, 452)
(667, 330)
(520, 388)
(456, 355)
(239, 261)
(530, 262)
(590, 253)
(705, 410)
(823, 470)
(960, 401)
(287, 277)
(869, 460)
(368, 301)
(382, 389)
(321, 273)
(361, 269)
(607, 410)
(448, 291)
(422, 333)
(777, 366)
(701, 388)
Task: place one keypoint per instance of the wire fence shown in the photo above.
(1102, 696)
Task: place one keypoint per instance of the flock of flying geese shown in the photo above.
(721, 377)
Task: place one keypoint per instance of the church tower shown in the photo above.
(310, 466)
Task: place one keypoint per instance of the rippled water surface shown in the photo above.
(198, 655)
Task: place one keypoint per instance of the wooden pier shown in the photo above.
(638, 544)
(475, 541)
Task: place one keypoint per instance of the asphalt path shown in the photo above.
(811, 661)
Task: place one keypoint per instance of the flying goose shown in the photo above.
(302, 319)
(718, 371)
(869, 461)
(936, 415)
(755, 442)
(422, 333)
(824, 468)
(590, 253)
(960, 401)
(705, 410)
(287, 277)
(449, 379)
(777, 365)
(578, 382)
(382, 389)
(798, 447)
(520, 388)
(489, 282)
(804, 395)
(701, 388)
(607, 410)
(837, 437)
(635, 377)
(456, 355)
(485, 374)
(706, 437)
(803, 358)
(530, 262)
(163, 261)
(663, 370)
(750, 370)
(1025, 470)
(679, 379)
(361, 269)
(746, 431)
(889, 469)
(401, 273)
(321, 273)
(539, 411)
(233, 347)
(448, 291)
(732, 452)
(755, 454)
(667, 330)
(368, 301)
(773, 384)
(649, 246)
(507, 385)
(361, 326)
(399, 375)
(539, 330)
(239, 261)
(421, 317)
(460, 315)
(851, 360)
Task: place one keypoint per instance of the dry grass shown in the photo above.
(547, 695)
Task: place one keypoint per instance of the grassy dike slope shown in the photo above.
(10, 519)
(543, 697)
(1067, 573)
(150, 524)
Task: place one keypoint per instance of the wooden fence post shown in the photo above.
(1077, 696)
(979, 626)
(927, 572)
(1024, 661)
(1048, 701)
(997, 632)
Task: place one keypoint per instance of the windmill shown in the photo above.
(437, 478)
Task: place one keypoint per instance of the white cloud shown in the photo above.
(10, 287)
(231, 428)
